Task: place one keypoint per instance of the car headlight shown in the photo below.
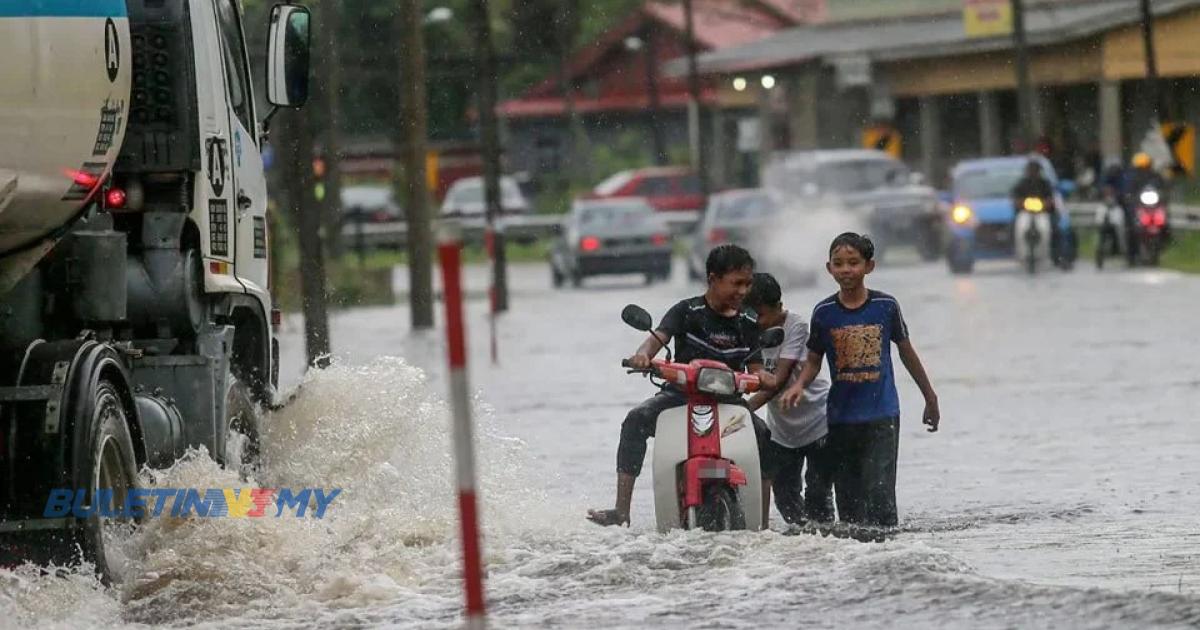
(961, 214)
(1149, 197)
(1033, 204)
(716, 381)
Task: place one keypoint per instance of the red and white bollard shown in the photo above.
(450, 255)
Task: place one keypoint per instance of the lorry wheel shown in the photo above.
(110, 466)
(719, 511)
(242, 452)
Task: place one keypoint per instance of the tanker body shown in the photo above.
(135, 313)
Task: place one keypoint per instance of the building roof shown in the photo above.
(717, 24)
(922, 36)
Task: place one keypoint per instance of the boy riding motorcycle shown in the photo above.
(712, 326)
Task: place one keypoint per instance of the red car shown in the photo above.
(667, 188)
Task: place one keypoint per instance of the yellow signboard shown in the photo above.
(883, 138)
(987, 18)
(1181, 138)
(431, 171)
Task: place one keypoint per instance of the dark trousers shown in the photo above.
(641, 422)
(801, 497)
(864, 471)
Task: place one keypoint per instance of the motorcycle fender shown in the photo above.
(670, 450)
(738, 444)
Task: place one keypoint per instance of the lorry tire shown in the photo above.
(242, 450)
(109, 464)
(719, 510)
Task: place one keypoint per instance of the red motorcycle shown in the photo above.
(706, 460)
(1150, 226)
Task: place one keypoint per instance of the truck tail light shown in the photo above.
(589, 243)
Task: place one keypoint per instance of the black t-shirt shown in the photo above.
(702, 333)
(1037, 186)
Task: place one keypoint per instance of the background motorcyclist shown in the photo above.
(1034, 184)
(1140, 177)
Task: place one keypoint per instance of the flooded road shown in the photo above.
(1061, 492)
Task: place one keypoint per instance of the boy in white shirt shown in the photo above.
(797, 434)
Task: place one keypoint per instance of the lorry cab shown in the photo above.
(135, 307)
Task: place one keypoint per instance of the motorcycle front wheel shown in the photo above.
(719, 510)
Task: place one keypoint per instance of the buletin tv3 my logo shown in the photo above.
(191, 502)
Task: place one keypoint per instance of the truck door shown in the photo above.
(249, 187)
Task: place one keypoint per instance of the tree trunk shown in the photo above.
(413, 121)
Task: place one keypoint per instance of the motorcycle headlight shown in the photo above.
(1033, 204)
(961, 214)
(1149, 197)
(716, 381)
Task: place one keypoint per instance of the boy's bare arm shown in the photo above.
(808, 373)
(912, 362)
(767, 390)
(650, 347)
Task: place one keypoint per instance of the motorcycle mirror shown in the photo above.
(771, 337)
(637, 318)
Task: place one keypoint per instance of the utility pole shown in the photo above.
(330, 88)
(297, 153)
(485, 74)
(695, 129)
(575, 137)
(1025, 94)
(1152, 96)
(660, 145)
(412, 156)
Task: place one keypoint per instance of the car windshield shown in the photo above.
(861, 175)
(472, 192)
(624, 215)
(986, 184)
(745, 208)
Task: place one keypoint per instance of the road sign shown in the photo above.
(987, 18)
(1181, 140)
(883, 138)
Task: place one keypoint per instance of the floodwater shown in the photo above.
(1061, 492)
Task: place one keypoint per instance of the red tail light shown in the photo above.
(717, 235)
(1160, 218)
(660, 239)
(115, 198)
(1145, 218)
(589, 243)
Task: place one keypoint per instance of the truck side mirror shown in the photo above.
(288, 56)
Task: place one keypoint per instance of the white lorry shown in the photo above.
(135, 313)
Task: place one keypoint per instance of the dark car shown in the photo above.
(892, 204)
(667, 188)
(733, 216)
(611, 236)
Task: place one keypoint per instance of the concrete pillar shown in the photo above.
(802, 98)
(1110, 120)
(991, 141)
(766, 135)
(931, 137)
(719, 146)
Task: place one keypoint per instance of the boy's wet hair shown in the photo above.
(764, 291)
(726, 258)
(860, 243)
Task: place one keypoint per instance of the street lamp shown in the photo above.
(633, 43)
(768, 81)
(739, 84)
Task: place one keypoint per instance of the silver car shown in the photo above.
(894, 205)
(734, 216)
(611, 236)
(465, 199)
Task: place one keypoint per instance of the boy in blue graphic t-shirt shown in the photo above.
(854, 329)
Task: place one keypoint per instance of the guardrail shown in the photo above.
(394, 234)
(1182, 217)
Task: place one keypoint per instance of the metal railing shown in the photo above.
(394, 234)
